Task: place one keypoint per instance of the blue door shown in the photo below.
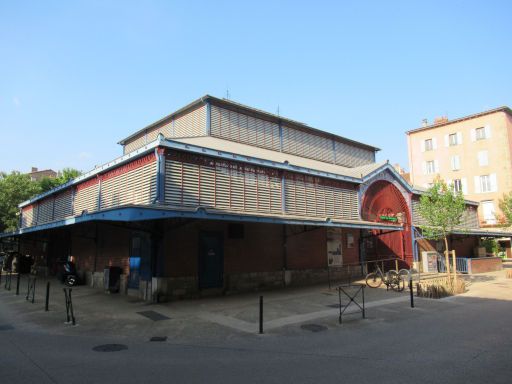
(211, 260)
(140, 260)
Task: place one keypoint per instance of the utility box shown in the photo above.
(112, 279)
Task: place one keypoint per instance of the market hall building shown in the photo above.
(221, 197)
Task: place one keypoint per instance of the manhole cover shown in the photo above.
(110, 348)
(158, 338)
(155, 316)
(6, 327)
(313, 327)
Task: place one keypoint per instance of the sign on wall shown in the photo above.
(334, 247)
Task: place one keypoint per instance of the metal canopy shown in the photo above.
(144, 213)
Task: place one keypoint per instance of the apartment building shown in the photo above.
(473, 153)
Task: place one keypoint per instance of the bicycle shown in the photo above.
(391, 278)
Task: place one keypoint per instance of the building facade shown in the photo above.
(224, 197)
(473, 153)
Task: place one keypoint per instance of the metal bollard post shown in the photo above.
(70, 316)
(261, 314)
(18, 284)
(47, 296)
(411, 291)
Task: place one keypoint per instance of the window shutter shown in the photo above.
(477, 184)
(464, 183)
(487, 130)
(473, 134)
(482, 158)
(494, 184)
(424, 166)
(434, 143)
(446, 141)
(422, 143)
(459, 138)
(436, 166)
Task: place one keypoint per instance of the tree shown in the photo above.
(67, 174)
(14, 189)
(506, 207)
(442, 209)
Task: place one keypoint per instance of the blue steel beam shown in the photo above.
(129, 214)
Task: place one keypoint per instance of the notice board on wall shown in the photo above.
(334, 247)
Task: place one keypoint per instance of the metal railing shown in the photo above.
(461, 264)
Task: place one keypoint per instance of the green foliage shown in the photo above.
(506, 207)
(16, 188)
(442, 209)
(491, 245)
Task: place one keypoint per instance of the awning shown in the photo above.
(145, 213)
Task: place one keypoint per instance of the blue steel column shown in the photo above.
(160, 175)
(208, 118)
(414, 248)
(280, 137)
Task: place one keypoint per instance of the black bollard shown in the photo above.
(47, 296)
(261, 314)
(18, 284)
(411, 292)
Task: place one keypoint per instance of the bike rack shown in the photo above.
(358, 288)
(70, 316)
(31, 288)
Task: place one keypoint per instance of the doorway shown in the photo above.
(211, 260)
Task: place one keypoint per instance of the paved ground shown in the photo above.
(461, 339)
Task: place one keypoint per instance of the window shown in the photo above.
(431, 168)
(488, 212)
(453, 139)
(428, 145)
(457, 185)
(483, 158)
(455, 161)
(485, 183)
(480, 133)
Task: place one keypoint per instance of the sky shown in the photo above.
(76, 77)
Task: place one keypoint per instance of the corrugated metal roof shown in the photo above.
(263, 114)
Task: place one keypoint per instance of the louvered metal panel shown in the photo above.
(202, 181)
(132, 183)
(313, 196)
(86, 197)
(298, 142)
(63, 205)
(166, 130)
(243, 128)
(352, 156)
(45, 211)
(135, 143)
(469, 218)
(191, 124)
(27, 216)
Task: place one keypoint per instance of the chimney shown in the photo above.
(424, 122)
(34, 169)
(441, 120)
